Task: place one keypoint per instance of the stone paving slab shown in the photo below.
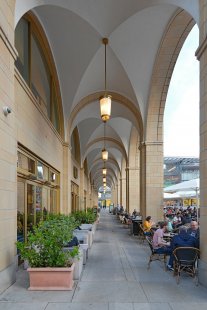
(189, 306)
(160, 292)
(22, 306)
(104, 291)
(152, 306)
(77, 306)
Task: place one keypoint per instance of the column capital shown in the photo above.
(66, 144)
(149, 143)
(132, 168)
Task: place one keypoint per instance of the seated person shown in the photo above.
(194, 231)
(73, 242)
(147, 225)
(169, 225)
(159, 244)
(183, 239)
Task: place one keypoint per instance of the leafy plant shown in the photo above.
(85, 217)
(44, 245)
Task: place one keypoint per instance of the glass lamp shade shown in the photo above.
(104, 170)
(105, 154)
(105, 107)
(104, 179)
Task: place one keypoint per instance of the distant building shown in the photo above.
(179, 169)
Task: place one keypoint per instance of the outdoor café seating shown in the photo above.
(154, 256)
(186, 259)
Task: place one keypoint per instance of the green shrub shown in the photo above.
(44, 245)
(84, 217)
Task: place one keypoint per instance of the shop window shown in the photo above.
(20, 211)
(36, 196)
(26, 163)
(54, 178)
(42, 171)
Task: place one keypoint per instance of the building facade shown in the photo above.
(51, 132)
(180, 169)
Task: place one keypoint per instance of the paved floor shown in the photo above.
(114, 278)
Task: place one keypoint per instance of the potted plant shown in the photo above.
(50, 267)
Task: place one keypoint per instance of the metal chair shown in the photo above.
(155, 256)
(186, 259)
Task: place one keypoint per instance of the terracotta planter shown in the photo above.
(51, 279)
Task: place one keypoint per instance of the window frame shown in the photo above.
(35, 28)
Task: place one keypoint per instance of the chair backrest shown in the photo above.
(149, 241)
(141, 228)
(186, 255)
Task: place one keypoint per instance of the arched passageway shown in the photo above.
(52, 76)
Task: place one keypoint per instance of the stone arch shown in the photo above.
(174, 37)
(100, 161)
(134, 114)
(97, 143)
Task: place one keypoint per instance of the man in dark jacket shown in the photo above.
(183, 239)
(194, 231)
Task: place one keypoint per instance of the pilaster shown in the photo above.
(127, 189)
(201, 54)
(8, 148)
(152, 179)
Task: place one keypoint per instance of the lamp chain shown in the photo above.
(104, 133)
(105, 68)
(105, 42)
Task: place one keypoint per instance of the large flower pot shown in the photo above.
(51, 279)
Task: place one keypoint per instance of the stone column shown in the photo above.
(201, 54)
(117, 194)
(66, 187)
(88, 194)
(127, 189)
(81, 190)
(8, 148)
(152, 179)
(91, 197)
(120, 190)
(134, 190)
(142, 149)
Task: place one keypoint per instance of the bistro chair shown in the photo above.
(141, 233)
(186, 259)
(155, 256)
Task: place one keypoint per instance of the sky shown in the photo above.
(181, 116)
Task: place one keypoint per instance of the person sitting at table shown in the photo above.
(147, 225)
(183, 239)
(160, 245)
(194, 231)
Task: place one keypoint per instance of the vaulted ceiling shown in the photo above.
(75, 29)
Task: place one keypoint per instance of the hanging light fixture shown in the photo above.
(104, 170)
(105, 101)
(105, 153)
(104, 179)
